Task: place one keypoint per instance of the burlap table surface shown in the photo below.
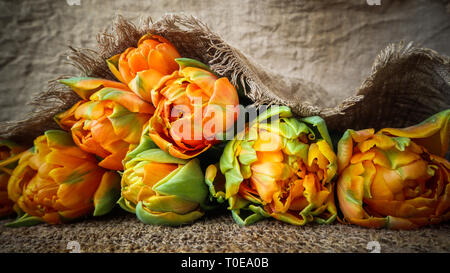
(407, 82)
(122, 232)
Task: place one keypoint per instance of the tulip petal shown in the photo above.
(202, 78)
(57, 138)
(124, 204)
(247, 154)
(345, 150)
(251, 214)
(128, 126)
(215, 182)
(107, 194)
(224, 95)
(433, 133)
(126, 99)
(144, 82)
(86, 86)
(268, 141)
(275, 112)
(145, 143)
(234, 179)
(187, 62)
(290, 218)
(171, 203)
(186, 182)
(113, 65)
(166, 218)
(25, 221)
(14, 187)
(157, 156)
(349, 192)
(321, 126)
(227, 158)
(371, 222)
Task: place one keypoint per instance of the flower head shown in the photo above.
(193, 108)
(56, 181)
(143, 66)
(282, 168)
(107, 120)
(162, 189)
(396, 178)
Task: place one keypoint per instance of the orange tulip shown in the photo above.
(396, 178)
(107, 121)
(193, 107)
(9, 155)
(56, 181)
(283, 169)
(141, 68)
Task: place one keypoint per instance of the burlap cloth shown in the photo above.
(407, 83)
(122, 232)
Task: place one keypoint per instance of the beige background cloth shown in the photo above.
(330, 43)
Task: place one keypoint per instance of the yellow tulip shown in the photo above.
(162, 189)
(56, 181)
(9, 155)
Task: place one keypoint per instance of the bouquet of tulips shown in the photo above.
(168, 140)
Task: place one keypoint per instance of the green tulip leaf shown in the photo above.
(187, 182)
(25, 221)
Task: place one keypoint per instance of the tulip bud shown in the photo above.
(56, 181)
(396, 178)
(162, 189)
(141, 68)
(107, 121)
(281, 169)
(193, 107)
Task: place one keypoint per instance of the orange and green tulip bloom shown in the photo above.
(107, 120)
(141, 68)
(396, 178)
(55, 181)
(281, 169)
(193, 109)
(10, 153)
(162, 189)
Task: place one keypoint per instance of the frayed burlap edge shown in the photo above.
(407, 83)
